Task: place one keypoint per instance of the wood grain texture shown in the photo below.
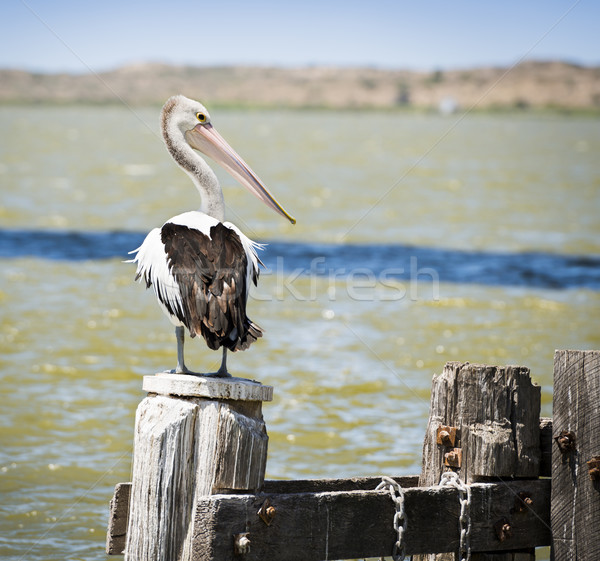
(496, 411)
(185, 449)
(162, 488)
(575, 496)
(117, 520)
(287, 486)
(119, 509)
(356, 524)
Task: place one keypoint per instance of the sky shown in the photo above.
(82, 36)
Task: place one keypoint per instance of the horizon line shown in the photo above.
(307, 65)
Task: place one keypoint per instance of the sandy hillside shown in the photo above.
(530, 84)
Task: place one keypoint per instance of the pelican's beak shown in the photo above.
(206, 139)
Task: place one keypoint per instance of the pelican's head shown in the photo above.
(192, 120)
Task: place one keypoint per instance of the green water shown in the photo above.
(351, 375)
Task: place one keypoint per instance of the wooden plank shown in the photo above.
(117, 520)
(575, 496)
(119, 509)
(287, 486)
(355, 524)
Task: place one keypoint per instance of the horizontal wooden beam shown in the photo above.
(354, 524)
(323, 485)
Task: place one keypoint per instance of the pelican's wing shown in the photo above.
(210, 270)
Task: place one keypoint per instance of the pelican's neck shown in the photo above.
(202, 175)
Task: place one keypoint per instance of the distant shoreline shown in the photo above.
(532, 85)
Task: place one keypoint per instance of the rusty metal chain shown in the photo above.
(451, 479)
(397, 494)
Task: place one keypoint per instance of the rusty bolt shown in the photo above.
(503, 529)
(267, 512)
(566, 441)
(446, 436)
(453, 458)
(594, 468)
(523, 501)
(241, 543)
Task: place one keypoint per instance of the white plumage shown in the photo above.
(199, 266)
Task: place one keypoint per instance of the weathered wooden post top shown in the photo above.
(194, 436)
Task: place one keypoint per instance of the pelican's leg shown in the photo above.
(181, 367)
(222, 372)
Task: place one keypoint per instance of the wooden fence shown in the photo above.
(198, 491)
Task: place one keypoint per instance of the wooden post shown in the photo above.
(575, 510)
(194, 436)
(484, 424)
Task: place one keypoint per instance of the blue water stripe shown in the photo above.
(382, 261)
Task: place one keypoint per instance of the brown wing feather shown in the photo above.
(211, 274)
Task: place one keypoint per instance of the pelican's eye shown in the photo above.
(201, 117)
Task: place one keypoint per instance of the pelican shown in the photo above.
(199, 266)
